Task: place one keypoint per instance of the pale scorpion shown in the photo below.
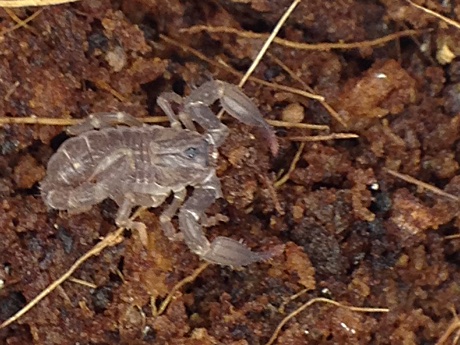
(141, 165)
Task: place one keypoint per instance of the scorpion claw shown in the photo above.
(241, 107)
(235, 102)
(226, 251)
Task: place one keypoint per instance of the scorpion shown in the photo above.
(114, 155)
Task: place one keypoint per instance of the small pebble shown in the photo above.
(293, 113)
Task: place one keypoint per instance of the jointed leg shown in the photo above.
(131, 199)
(207, 119)
(123, 219)
(207, 222)
(103, 120)
(223, 250)
(187, 121)
(164, 102)
(166, 216)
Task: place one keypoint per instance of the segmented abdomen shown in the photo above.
(67, 184)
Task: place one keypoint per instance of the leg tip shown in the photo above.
(228, 252)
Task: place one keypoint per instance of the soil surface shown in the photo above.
(352, 231)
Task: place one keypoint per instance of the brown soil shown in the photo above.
(353, 232)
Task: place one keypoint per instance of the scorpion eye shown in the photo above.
(191, 152)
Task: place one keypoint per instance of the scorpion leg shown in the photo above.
(222, 250)
(130, 199)
(103, 120)
(234, 101)
(208, 120)
(166, 216)
(164, 102)
(122, 219)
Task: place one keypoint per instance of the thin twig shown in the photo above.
(33, 120)
(272, 192)
(27, 3)
(421, 184)
(332, 136)
(452, 237)
(292, 298)
(50, 121)
(179, 285)
(303, 139)
(435, 14)
(269, 41)
(277, 123)
(293, 90)
(11, 90)
(291, 73)
(108, 241)
(106, 87)
(324, 300)
(82, 282)
(299, 45)
(19, 21)
(454, 325)
(292, 167)
(294, 76)
(22, 23)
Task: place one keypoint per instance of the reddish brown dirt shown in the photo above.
(353, 232)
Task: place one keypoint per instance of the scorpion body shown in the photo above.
(136, 164)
